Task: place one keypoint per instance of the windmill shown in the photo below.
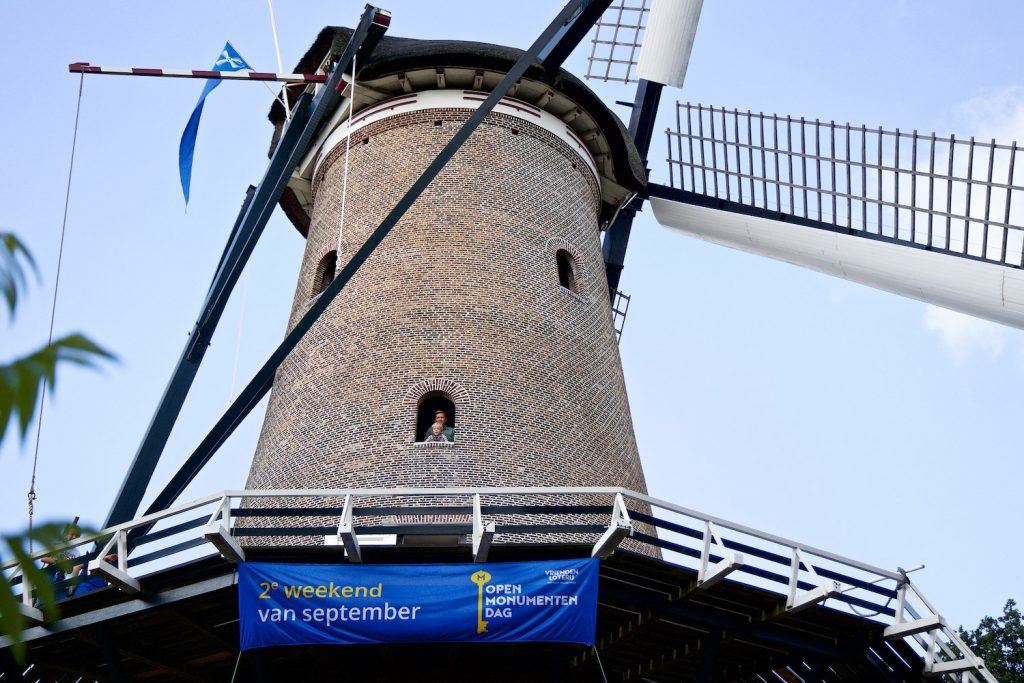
(353, 154)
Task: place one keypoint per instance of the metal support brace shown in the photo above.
(958, 659)
(118, 575)
(620, 527)
(823, 590)
(483, 532)
(641, 129)
(347, 535)
(950, 667)
(909, 628)
(218, 532)
(709, 575)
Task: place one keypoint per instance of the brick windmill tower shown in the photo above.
(488, 300)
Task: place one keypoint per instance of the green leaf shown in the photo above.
(22, 379)
(1000, 642)
(50, 538)
(14, 257)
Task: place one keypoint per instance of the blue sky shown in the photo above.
(787, 400)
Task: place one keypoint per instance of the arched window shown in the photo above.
(566, 271)
(324, 275)
(426, 414)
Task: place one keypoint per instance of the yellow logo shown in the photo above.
(480, 578)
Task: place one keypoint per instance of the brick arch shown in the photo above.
(556, 244)
(459, 396)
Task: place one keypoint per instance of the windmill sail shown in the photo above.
(940, 219)
(668, 40)
(616, 43)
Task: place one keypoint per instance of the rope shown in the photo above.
(277, 50)
(600, 666)
(53, 315)
(344, 178)
(238, 661)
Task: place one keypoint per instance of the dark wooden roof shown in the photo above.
(396, 55)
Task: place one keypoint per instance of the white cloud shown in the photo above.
(991, 113)
(995, 113)
(964, 336)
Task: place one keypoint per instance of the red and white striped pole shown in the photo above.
(87, 68)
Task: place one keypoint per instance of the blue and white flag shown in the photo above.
(229, 60)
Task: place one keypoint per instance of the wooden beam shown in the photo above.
(187, 621)
(126, 649)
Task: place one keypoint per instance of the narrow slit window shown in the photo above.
(566, 271)
(324, 275)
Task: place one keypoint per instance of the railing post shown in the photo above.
(483, 532)
(708, 576)
(31, 613)
(822, 591)
(347, 534)
(118, 575)
(618, 529)
(218, 532)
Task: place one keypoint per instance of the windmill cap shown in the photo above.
(620, 167)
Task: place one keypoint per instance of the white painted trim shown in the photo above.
(456, 99)
(986, 290)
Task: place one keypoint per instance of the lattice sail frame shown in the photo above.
(914, 189)
(616, 42)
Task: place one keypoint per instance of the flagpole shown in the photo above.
(280, 67)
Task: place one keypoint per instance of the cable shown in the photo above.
(344, 178)
(868, 615)
(53, 314)
(600, 666)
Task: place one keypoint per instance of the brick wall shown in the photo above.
(462, 294)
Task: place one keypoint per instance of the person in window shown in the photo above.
(439, 431)
(436, 434)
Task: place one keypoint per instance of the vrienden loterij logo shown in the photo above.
(562, 575)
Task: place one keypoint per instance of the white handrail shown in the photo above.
(219, 532)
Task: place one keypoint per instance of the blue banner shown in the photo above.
(312, 604)
(228, 60)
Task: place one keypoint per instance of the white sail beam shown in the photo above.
(978, 288)
(668, 40)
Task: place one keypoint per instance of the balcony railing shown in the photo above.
(482, 518)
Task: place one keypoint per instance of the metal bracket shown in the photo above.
(823, 590)
(909, 628)
(709, 574)
(483, 532)
(347, 534)
(959, 660)
(218, 532)
(118, 575)
(620, 527)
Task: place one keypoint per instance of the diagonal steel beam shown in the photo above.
(555, 40)
(641, 129)
(307, 116)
